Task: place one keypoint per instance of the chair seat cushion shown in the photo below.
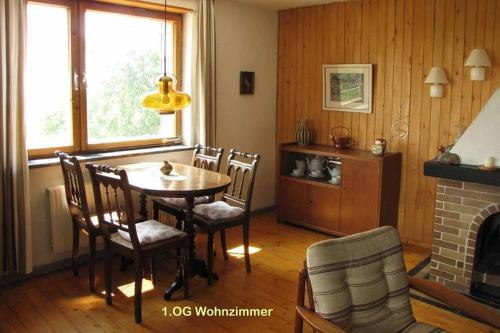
(181, 202)
(422, 328)
(218, 210)
(152, 231)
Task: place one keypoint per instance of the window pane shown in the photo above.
(124, 57)
(48, 77)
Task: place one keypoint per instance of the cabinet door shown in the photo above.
(360, 195)
(293, 200)
(324, 206)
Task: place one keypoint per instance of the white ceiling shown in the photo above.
(285, 4)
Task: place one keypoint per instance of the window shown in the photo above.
(88, 64)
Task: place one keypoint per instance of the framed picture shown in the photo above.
(347, 88)
(247, 83)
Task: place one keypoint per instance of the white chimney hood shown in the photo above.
(482, 138)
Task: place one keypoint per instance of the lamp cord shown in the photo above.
(165, 41)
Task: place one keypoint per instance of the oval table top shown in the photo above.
(184, 181)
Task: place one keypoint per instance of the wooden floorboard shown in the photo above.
(59, 302)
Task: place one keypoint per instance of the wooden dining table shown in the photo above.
(183, 182)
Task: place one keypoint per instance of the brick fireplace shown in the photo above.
(461, 209)
(466, 233)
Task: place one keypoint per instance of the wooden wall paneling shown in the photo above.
(495, 70)
(285, 81)
(312, 73)
(370, 131)
(317, 69)
(412, 170)
(423, 146)
(479, 42)
(294, 84)
(389, 69)
(379, 98)
(397, 73)
(334, 47)
(348, 53)
(306, 54)
(280, 109)
(458, 68)
(357, 29)
(340, 52)
(286, 77)
(449, 33)
(437, 60)
(365, 54)
(325, 56)
(299, 72)
(403, 39)
(405, 107)
(469, 44)
(489, 27)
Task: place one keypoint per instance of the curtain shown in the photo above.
(205, 73)
(15, 227)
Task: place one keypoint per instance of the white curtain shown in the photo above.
(201, 65)
(15, 227)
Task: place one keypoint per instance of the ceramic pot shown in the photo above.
(302, 133)
(378, 148)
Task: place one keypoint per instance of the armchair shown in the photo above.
(359, 283)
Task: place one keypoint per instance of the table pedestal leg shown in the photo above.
(196, 266)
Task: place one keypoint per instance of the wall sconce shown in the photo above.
(436, 77)
(478, 59)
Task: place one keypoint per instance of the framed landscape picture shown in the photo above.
(347, 88)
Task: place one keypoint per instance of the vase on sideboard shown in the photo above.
(302, 133)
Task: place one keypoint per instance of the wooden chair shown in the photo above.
(136, 240)
(76, 197)
(359, 283)
(207, 158)
(219, 215)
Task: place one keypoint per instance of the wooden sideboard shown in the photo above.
(366, 197)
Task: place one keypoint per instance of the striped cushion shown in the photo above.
(360, 282)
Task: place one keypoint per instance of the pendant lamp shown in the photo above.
(166, 100)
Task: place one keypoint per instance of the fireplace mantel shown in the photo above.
(465, 173)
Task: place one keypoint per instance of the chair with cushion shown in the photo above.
(136, 240)
(359, 283)
(233, 209)
(207, 158)
(76, 197)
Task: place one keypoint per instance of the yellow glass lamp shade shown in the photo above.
(167, 100)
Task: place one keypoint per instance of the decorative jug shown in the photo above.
(166, 168)
(315, 164)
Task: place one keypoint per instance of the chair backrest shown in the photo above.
(207, 158)
(74, 187)
(113, 200)
(360, 283)
(241, 168)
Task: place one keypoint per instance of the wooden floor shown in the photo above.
(58, 302)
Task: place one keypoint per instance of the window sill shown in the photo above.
(46, 162)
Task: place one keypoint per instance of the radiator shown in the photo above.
(60, 220)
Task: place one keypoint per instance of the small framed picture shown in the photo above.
(347, 88)
(247, 83)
